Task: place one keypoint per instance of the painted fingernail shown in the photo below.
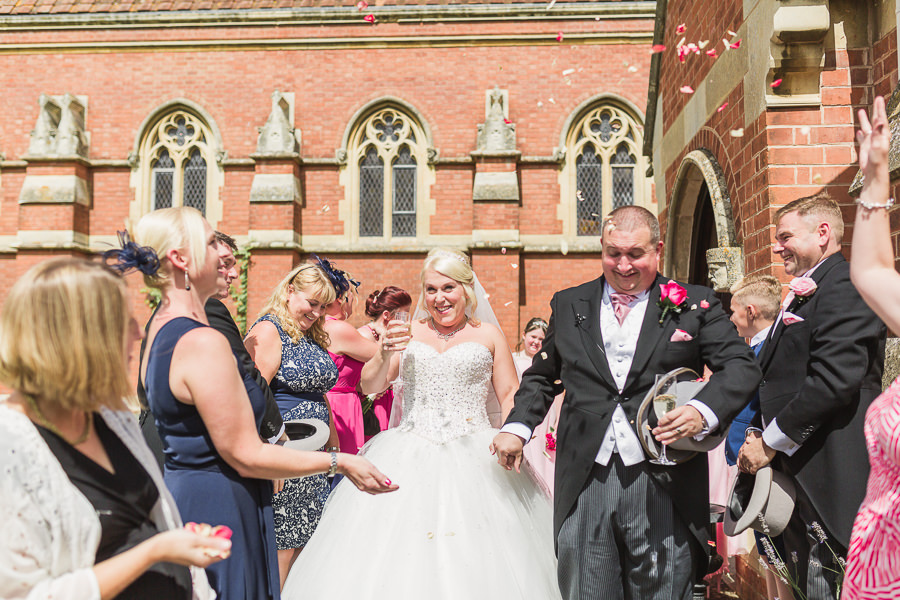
(387, 482)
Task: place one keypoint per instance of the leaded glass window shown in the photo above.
(389, 157)
(604, 151)
(178, 151)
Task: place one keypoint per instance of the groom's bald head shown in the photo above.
(632, 218)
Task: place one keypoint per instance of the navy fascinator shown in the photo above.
(339, 279)
(131, 256)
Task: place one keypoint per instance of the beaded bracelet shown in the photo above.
(873, 206)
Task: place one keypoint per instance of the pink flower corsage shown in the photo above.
(672, 297)
(551, 442)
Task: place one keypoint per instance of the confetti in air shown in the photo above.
(735, 45)
(369, 18)
(655, 48)
(507, 303)
(817, 178)
(686, 89)
(502, 250)
(805, 130)
(731, 33)
(680, 29)
(549, 6)
(564, 247)
(551, 100)
(568, 72)
(507, 121)
(559, 36)
(514, 265)
(702, 44)
(712, 52)
(723, 107)
(579, 196)
(632, 69)
(775, 83)
(362, 5)
(540, 104)
(737, 132)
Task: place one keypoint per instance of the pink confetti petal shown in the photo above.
(712, 53)
(775, 83)
(559, 36)
(502, 250)
(735, 45)
(721, 108)
(657, 48)
(507, 121)
(686, 89)
(680, 29)
(369, 18)
(704, 304)
(362, 5)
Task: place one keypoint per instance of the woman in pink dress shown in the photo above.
(381, 305)
(350, 351)
(873, 558)
(541, 452)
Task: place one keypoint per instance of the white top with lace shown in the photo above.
(50, 530)
(445, 393)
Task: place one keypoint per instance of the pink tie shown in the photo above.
(621, 304)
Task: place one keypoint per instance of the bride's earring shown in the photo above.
(187, 280)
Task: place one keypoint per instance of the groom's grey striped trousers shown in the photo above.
(623, 541)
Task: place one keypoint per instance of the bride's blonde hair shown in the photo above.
(455, 265)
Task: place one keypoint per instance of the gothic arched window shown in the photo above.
(388, 154)
(602, 159)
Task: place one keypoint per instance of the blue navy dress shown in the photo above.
(205, 487)
(305, 374)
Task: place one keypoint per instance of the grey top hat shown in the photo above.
(684, 384)
(763, 502)
(306, 434)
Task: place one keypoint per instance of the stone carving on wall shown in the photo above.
(726, 267)
(496, 134)
(60, 128)
(797, 51)
(277, 136)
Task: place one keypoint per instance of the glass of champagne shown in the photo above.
(403, 316)
(663, 402)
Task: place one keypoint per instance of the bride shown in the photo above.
(459, 526)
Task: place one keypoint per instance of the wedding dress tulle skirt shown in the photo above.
(459, 527)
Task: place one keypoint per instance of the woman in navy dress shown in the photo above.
(216, 465)
(288, 344)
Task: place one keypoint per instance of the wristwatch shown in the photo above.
(333, 468)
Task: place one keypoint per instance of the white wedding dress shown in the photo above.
(459, 527)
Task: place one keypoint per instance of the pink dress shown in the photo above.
(382, 407)
(873, 560)
(541, 458)
(345, 406)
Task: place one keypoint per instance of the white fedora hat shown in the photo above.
(684, 384)
(763, 502)
(306, 434)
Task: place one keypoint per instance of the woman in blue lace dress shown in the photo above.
(288, 344)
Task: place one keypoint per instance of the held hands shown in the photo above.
(684, 421)
(508, 449)
(754, 454)
(364, 475)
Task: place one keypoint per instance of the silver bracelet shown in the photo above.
(873, 206)
(333, 469)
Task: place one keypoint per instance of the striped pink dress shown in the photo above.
(873, 560)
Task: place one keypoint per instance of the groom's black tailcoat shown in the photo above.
(573, 355)
(820, 376)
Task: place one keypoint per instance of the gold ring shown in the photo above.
(678, 430)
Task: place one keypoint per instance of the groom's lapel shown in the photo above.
(587, 321)
(651, 332)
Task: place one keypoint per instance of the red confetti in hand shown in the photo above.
(559, 36)
(686, 89)
(680, 29)
(362, 5)
(657, 48)
(369, 18)
(775, 83)
(721, 108)
(221, 531)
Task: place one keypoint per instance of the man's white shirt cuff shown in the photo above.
(712, 421)
(777, 440)
(519, 429)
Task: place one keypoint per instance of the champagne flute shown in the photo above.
(403, 316)
(663, 402)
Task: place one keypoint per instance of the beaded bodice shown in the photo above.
(445, 393)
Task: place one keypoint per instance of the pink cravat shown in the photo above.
(621, 304)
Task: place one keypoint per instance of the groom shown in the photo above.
(626, 528)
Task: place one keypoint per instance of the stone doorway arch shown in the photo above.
(701, 246)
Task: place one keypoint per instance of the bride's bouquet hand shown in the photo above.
(364, 475)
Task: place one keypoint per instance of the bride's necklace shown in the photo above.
(45, 422)
(447, 336)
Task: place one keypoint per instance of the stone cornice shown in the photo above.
(316, 16)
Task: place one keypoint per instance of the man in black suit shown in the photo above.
(271, 428)
(626, 528)
(821, 368)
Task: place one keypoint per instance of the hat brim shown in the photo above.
(763, 502)
(306, 434)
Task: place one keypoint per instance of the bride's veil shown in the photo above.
(484, 313)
